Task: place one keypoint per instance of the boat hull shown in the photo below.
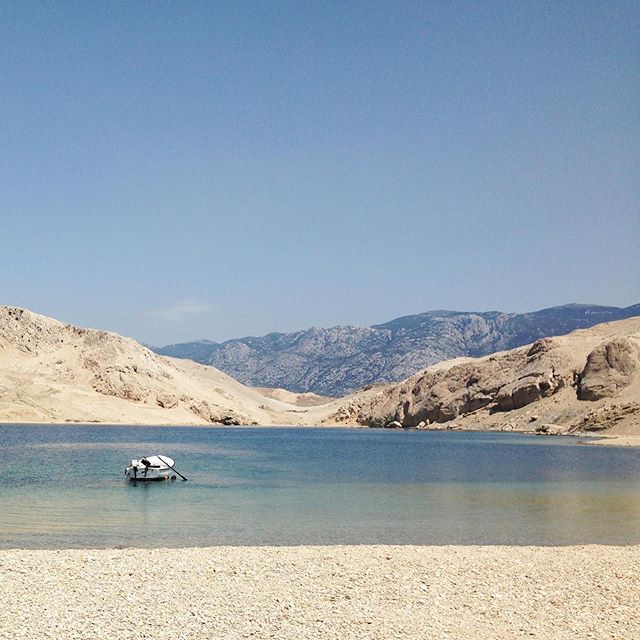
(152, 468)
(138, 475)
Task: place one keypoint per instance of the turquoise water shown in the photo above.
(62, 487)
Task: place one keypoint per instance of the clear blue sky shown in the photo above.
(176, 170)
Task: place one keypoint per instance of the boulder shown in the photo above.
(200, 408)
(524, 391)
(549, 429)
(119, 382)
(166, 400)
(517, 394)
(610, 367)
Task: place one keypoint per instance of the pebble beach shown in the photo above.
(341, 592)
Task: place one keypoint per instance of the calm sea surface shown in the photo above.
(62, 487)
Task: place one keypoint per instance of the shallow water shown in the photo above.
(62, 487)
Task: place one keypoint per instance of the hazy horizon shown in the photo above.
(177, 172)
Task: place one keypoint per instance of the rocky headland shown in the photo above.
(586, 381)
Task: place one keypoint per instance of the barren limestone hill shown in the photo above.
(585, 381)
(55, 372)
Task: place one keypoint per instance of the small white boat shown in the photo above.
(151, 468)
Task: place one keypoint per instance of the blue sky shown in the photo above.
(176, 170)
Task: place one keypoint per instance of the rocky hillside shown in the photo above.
(585, 381)
(339, 360)
(55, 372)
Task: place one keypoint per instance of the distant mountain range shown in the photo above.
(341, 359)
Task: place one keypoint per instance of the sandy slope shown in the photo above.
(54, 372)
(298, 399)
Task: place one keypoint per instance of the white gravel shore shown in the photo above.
(336, 592)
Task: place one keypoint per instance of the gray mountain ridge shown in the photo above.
(338, 360)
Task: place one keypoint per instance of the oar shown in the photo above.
(170, 467)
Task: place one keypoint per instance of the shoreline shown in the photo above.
(337, 592)
(614, 440)
(595, 439)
